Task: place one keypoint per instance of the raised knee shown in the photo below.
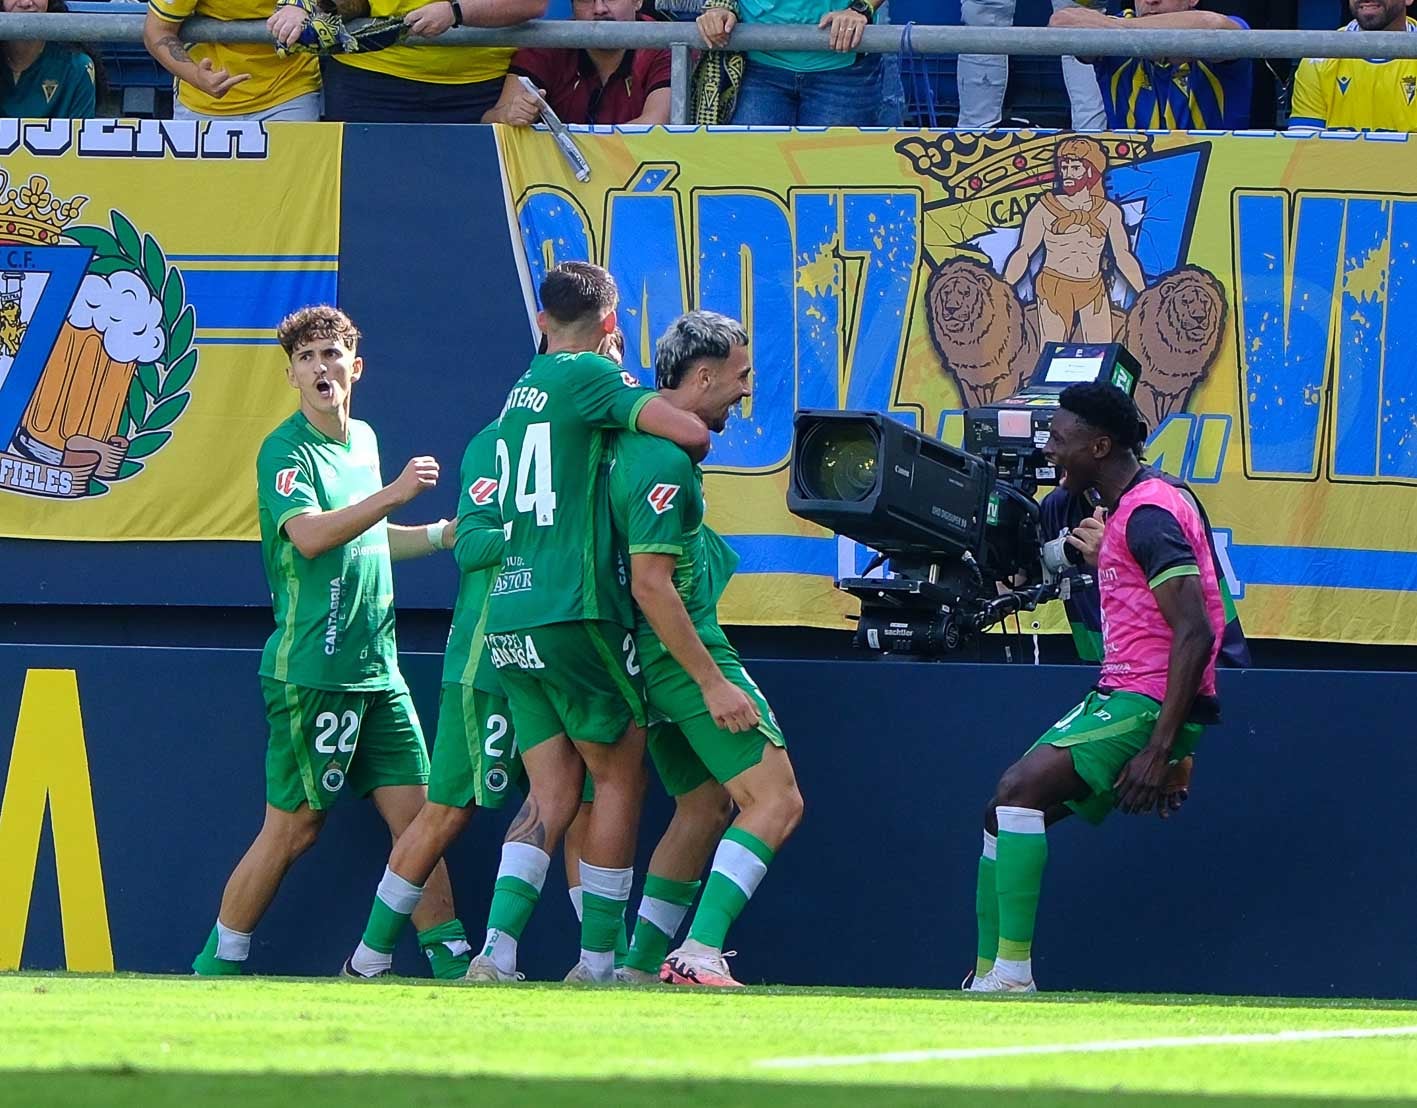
(1012, 789)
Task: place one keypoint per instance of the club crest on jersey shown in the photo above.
(94, 324)
(1409, 89)
(661, 497)
(482, 490)
(285, 481)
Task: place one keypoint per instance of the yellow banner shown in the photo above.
(143, 267)
(1261, 280)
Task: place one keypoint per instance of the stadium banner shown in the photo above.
(1262, 280)
(143, 267)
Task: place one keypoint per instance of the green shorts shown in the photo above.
(578, 679)
(475, 755)
(316, 735)
(685, 744)
(1103, 734)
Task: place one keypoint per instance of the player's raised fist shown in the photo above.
(420, 473)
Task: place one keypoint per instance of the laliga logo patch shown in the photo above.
(333, 780)
(629, 379)
(482, 490)
(285, 481)
(661, 497)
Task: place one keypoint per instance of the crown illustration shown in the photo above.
(976, 164)
(33, 214)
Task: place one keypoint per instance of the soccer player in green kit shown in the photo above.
(338, 708)
(474, 755)
(711, 728)
(559, 622)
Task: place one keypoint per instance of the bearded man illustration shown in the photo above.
(1072, 225)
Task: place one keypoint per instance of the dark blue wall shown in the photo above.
(1275, 879)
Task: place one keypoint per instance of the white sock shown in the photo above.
(991, 847)
(398, 894)
(664, 915)
(601, 963)
(1018, 972)
(369, 961)
(232, 946)
(577, 902)
(502, 949)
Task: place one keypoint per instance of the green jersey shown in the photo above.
(334, 612)
(478, 553)
(657, 501)
(559, 564)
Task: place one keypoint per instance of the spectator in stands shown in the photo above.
(218, 80)
(1151, 94)
(1353, 94)
(425, 84)
(588, 86)
(982, 78)
(45, 80)
(840, 88)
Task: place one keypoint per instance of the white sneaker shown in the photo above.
(628, 975)
(991, 982)
(483, 970)
(695, 964)
(584, 975)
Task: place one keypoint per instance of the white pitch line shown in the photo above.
(1104, 1047)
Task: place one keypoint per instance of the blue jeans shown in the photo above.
(774, 97)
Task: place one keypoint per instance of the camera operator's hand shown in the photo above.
(1087, 536)
(731, 708)
(1177, 789)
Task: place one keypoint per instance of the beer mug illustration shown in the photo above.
(114, 325)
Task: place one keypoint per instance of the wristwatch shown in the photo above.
(863, 8)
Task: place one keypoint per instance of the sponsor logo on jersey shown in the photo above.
(482, 490)
(285, 481)
(1342, 85)
(661, 497)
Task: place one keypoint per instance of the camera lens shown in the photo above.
(838, 462)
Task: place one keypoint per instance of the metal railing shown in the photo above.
(683, 37)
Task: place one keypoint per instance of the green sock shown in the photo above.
(447, 949)
(986, 910)
(513, 901)
(739, 864)
(1022, 854)
(622, 941)
(385, 925)
(662, 911)
(207, 964)
(603, 922)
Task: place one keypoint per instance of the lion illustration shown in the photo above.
(977, 326)
(1174, 329)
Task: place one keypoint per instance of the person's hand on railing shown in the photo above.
(845, 27)
(516, 105)
(432, 19)
(716, 24)
(1083, 17)
(286, 24)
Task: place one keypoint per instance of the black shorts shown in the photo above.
(355, 95)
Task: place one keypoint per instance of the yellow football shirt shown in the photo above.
(435, 65)
(274, 79)
(1353, 94)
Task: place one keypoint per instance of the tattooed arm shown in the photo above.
(164, 43)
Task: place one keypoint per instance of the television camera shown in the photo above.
(958, 527)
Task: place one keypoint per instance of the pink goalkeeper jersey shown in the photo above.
(1136, 639)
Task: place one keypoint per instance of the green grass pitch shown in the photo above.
(148, 1042)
